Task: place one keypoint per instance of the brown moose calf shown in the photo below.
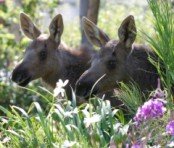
(116, 61)
(47, 58)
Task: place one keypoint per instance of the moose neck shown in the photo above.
(68, 64)
(140, 69)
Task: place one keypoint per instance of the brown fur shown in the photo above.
(46, 58)
(117, 61)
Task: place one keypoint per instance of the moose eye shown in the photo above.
(43, 55)
(111, 64)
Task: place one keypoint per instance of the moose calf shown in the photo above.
(47, 58)
(116, 61)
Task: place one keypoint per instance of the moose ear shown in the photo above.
(28, 27)
(56, 28)
(95, 35)
(127, 31)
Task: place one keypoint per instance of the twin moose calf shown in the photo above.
(89, 72)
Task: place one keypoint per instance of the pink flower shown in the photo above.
(153, 108)
(170, 128)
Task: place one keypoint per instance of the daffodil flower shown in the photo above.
(59, 90)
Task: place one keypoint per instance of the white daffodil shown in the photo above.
(89, 120)
(68, 144)
(71, 113)
(59, 90)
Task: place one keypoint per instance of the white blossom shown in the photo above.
(59, 90)
(68, 144)
(89, 120)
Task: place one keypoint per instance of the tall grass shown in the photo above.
(163, 40)
(131, 97)
(65, 124)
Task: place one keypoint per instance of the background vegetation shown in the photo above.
(32, 117)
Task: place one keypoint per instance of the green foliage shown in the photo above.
(131, 96)
(162, 42)
(89, 125)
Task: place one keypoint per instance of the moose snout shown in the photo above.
(21, 76)
(84, 88)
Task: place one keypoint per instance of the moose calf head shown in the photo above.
(39, 56)
(108, 66)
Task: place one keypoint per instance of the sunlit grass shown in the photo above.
(131, 96)
(163, 40)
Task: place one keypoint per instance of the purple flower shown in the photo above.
(137, 145)
(170, 128)
(153, 108)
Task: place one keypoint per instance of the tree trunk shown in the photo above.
(93, 10)
(89, 9)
